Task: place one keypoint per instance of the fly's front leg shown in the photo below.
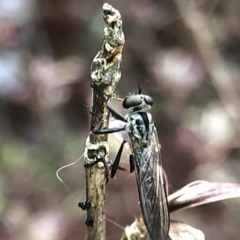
(109, 130)
(116, 115)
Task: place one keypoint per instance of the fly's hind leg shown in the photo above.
(131, 165)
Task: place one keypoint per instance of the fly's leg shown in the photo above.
(95, 88)
(131, 163)
(105, 166)
(103, 160)
(116, 115)
(94, 114)
(109, 130)
(116, 166)
(117, 160)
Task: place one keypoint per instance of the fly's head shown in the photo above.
(138, 102)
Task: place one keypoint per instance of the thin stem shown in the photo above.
(105, 75)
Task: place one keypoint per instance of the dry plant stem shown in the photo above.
(221, 78)
(105, 75)
(177, 231)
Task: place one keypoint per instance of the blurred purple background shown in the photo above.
(185, 55)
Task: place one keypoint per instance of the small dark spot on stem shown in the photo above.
(89, 222)
(85, 205)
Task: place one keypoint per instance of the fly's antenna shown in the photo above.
(66, 166)
(139, 89)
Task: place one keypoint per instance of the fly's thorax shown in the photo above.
(140, 126)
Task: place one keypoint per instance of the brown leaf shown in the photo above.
(182, 231)
(202, 192)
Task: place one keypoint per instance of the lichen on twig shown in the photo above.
(105, 74)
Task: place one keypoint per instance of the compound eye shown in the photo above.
(132, 101)
(148, 100)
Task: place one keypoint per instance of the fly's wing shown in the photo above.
(151, 187)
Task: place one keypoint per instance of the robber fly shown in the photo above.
(145, 159)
